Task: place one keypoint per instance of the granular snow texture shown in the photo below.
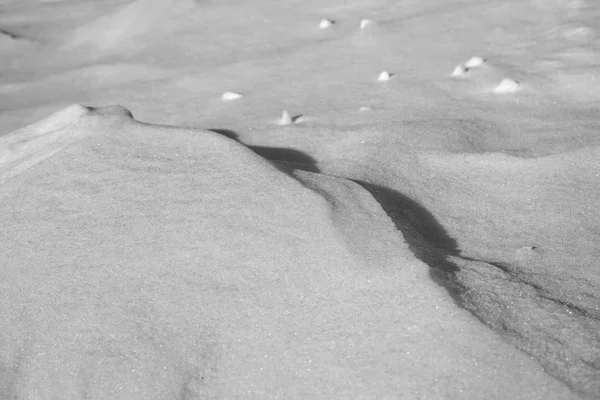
(328, 234)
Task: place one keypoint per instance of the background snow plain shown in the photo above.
(430, 236)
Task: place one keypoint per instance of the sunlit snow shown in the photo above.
(169, 231)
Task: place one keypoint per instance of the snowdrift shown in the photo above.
(149, 262)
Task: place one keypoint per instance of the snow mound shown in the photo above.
(147, 261)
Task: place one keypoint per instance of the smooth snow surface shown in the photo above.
(435, 236)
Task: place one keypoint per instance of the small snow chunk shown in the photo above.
(384, 76)
(460, 70)
(229, 96)
(364, 108)
(285, 118)
(326, 23)
(527, 251)
(507, 86)
(475, 62)
(529, 248)
(365, 22)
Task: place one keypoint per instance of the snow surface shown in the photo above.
(426, 237)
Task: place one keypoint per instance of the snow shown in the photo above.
(474, 62)
(285, 118)
(430, 237)
(507, 85)
(326, 24)
(229, 96)
(384, 76)
(365, 23)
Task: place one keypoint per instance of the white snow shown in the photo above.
(460, 70)
(285, 118)
(364, 23)
(325, 24)
(230, 96)
(433, 238)
(474, 62)
(507, 86)
(384, 76)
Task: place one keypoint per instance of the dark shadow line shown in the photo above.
(427, 239)
(11, 35)
(282, 158)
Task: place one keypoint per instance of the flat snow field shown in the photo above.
(369, 199)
